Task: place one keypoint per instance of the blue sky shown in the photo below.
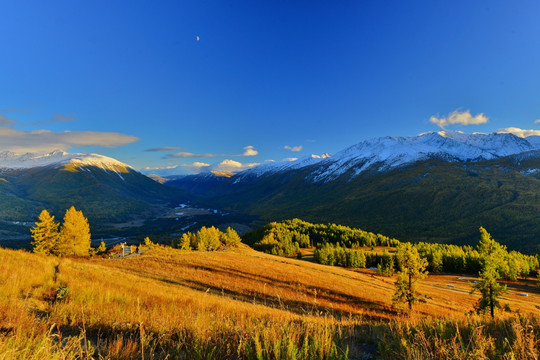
(209, 81)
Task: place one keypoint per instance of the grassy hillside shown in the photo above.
(238, 303)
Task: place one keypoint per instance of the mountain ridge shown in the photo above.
(422, 195)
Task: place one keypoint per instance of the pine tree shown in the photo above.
(492, 259)
(230, 237)
(413, 268)
(75, 235)
(185, 241)
(102, 249)
(45, 234)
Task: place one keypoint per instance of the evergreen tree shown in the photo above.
(45, 234)
(75, 235)
(413, 268)
(102, 248)
(230, 237)
(492, 258)
(185, 241)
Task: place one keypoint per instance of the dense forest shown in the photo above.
(349, 247)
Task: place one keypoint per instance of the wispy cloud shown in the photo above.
(537, 121)
(165, 148)
(148, 168)
(462, 118)
(519, 132)
(46, 140)
(293, 148)
(15, 110)
(248, 151)
(62, 118)
(4, 121)
(183, 155)
(290, 159)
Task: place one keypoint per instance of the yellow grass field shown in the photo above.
(238, 303)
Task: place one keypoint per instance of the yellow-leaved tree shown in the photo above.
(45, 234)
(74, 237)
(413, 268)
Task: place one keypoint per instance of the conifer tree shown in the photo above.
(45, 234)
(492, 258)
(75, 235)
(413, 268)
(185, 241)
(230, 237)
(102, 249)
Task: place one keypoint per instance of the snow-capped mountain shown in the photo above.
(386, 153)
(10, 160)
(274, 167)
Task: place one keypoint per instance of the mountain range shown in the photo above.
(438, 186)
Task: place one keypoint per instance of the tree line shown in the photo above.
(349, 247)
(207, 239)
(287, 237)
(439, 257)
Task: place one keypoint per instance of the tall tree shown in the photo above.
(45, 234)
(74, 235)
(492, 255)
(230, 237)
(413, 268)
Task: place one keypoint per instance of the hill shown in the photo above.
(238, 303)
(106, 190)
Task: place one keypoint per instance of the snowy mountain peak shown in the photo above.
(10, 160)
(385, 153)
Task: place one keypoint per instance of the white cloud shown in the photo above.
(46, 140)
(250, 151)
(519, 132)
(457, 117)
(290, 159)
(294, 148)
(537, 121)
(225, 165)
(196, 167)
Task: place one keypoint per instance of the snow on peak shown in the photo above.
(10, 160)
(272, 167)
(389, 152)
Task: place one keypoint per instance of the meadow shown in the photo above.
(243, 304)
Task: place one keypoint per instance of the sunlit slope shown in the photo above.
(171, 286)
(231, 304)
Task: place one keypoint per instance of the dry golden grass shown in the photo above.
(237, 303)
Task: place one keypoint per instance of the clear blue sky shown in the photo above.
(226, 79)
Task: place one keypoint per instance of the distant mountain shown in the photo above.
(105, 189)
(438, 186)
